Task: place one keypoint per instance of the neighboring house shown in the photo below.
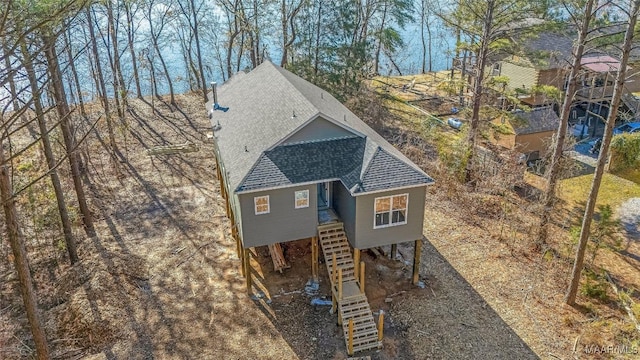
(593, 98)
(291, 157)
(528, 132)
(598, 78)
(542, 60)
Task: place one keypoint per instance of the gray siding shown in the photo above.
(366, 236)
(284, 222)
(318, 129)
(345, 207)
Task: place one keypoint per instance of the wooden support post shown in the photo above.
(356, 262)
(380, 325)
(350, 349)
(314, 258)
(219, 174)
(235, 235)
(238, 244)
(394, 251)
(339, 284)
(228, 207)
(334, 306)
(416, 262)
(334, 269)
(247, 265)
(362, 277)
(241, 255)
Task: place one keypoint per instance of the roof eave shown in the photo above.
(270, 188)
(393, 189)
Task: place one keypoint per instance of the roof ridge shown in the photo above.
(282, 71)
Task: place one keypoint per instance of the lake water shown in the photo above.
(408, 60)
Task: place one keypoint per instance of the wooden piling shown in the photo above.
(238, 244)
(334, 306)
(339, 284)
(334, 269)
(380, 325)
(350, 349)
(247, 265)
(228, 207)
(416, 262)
(243, 266)
(362, 277)
(356, 263)
(314, 258)
(394, 251)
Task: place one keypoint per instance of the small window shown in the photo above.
(261, 204)
(390, 210)
(302, 199)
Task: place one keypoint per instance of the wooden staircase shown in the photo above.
(352, 304)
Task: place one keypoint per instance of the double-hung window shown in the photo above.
(302, 199)
(390, 210)
(261, 204)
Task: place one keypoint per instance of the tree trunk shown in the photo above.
(102, 90)
(549, 195)
(20, 260)
(429, 45)
(156, 47)
(376, 62)
(118, 83)
(196, 34)
(288, 19)
(62, 109)
(570, 297)
(255, 38)
(285, 32)
(478, 88)
(48, 153)
(423, 23)
(132, 52)
(74, 71)
(10, 75)
(316, 60)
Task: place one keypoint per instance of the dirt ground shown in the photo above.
(161, 280)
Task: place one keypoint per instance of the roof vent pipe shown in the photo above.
(217, 106)
(215, 94)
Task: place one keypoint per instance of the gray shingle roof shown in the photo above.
(266, 106)
(305, 162)
(556, 46)
(535, 121)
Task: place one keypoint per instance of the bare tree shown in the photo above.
(192, 14)
(130, 13)
(48, 152)
(548, 199)
(64, 114)
(101, 88)
(157, 15)
(288, 12)
(632, 13)
(20, 260)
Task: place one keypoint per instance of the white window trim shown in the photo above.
(255, 205)
(295, 200)
(390, 224)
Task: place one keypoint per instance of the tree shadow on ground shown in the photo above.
(445, 319)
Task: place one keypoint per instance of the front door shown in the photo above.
(324, 195)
